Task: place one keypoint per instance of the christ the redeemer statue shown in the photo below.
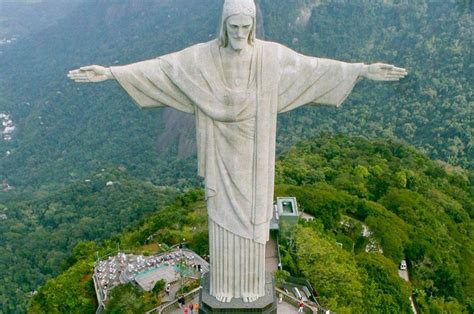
(235, 86)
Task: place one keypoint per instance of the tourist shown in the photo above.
(181, 301)
(301, 306)
(196, 308)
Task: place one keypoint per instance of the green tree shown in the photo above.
(331, 270)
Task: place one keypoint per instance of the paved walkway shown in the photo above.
(180, 311)
(283, 308)
(173, 291)
(404, 275)
(271, 256)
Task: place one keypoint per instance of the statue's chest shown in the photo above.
(237, 73)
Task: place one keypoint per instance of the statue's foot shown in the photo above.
(223, 298)
(250, 298)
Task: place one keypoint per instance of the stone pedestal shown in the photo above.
(266, 304)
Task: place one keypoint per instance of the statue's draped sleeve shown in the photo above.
(177, 80)
(309, 80)
(150, 86)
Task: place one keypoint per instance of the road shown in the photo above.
(404, 275)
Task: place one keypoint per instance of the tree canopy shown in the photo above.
(413, 209)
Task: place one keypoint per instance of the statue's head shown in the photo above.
(238, 24)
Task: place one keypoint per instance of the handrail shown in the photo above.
(280, 267)
(138, 252)
(294, 301)
(163, 307)
(100, 301)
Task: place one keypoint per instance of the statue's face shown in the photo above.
(238, 30)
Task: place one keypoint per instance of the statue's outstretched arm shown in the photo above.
(383, 72)
(91, 74)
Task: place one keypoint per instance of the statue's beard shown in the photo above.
(238, 44)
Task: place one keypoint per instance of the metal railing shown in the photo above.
(308, 308)
(99, 296)
(168, 307)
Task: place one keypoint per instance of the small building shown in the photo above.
(287, 211)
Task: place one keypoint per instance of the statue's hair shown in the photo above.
(224, 36)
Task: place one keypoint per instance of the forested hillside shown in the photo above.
(413, 208)
(38, 235)
(73, 292)
(65, 130)
(432, 108)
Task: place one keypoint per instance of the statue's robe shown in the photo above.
(236, 132)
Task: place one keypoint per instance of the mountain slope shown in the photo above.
(431, 108)
(39, 234)
(411, 207)
(21, 18)
(65, 129)
(415, 209)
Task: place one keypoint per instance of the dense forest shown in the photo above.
(415, 209)
(432, 108)
(73, 291)
(38, 235)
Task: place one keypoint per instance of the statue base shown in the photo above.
(266, 304)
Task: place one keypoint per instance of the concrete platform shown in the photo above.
(266, 304)
(283, 308)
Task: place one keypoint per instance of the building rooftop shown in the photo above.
(287, 206)
(145, 271)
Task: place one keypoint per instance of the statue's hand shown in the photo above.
(383, 72)
(90, 74)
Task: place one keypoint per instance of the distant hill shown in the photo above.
(22, 18)
(410, 207)
(64, 130)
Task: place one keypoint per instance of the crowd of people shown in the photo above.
(192, 308)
